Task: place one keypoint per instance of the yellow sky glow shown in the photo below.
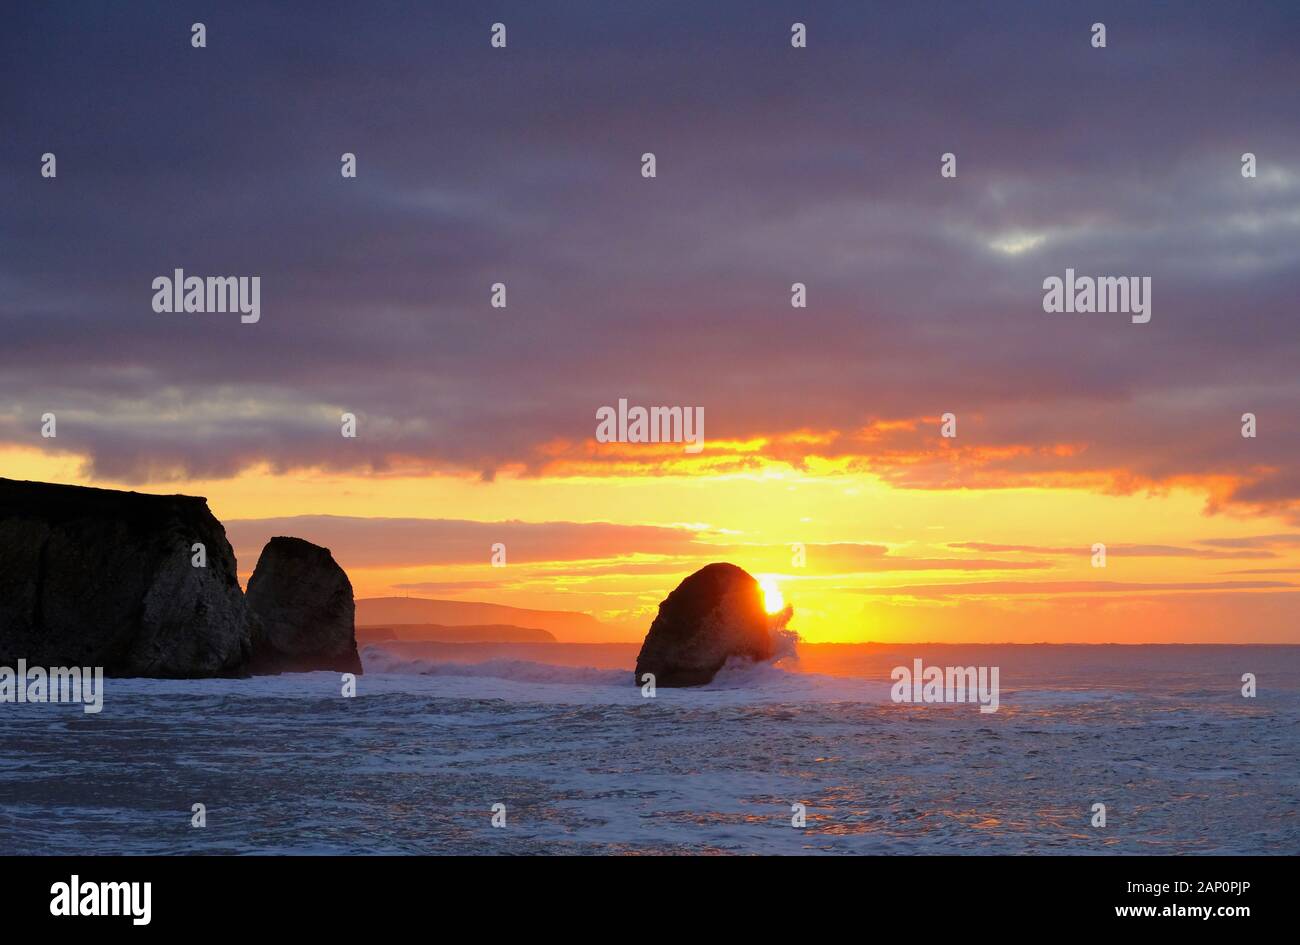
(757, 519)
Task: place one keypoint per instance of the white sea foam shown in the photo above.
(375, 659)
(777, 680)
(586, 764)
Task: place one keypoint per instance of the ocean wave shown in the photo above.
(740, 673)
(779, 678)
(736, 674)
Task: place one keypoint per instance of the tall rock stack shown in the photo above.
(304, 610)
(713, 615)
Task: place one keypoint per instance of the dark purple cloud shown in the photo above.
(775, 165)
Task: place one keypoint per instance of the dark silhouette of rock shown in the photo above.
(98, 577)
(714, 614)
(303, 610)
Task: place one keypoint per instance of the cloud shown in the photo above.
(1266, 571)
(1049, 588)
(1117, 550)
(1283, 540)
(924, 294)
(408, 542)
(586, 550)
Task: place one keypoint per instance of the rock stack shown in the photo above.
(713, 615)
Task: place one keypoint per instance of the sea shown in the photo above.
(552, 749)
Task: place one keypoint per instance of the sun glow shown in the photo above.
(773, 599)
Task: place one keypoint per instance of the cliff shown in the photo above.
(97, 577)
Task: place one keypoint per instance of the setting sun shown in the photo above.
(773, 599)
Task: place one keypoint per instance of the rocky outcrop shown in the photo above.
(713, 615)
(304, 611)
(97, 577)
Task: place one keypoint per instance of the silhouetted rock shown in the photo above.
(303, 608)
(98, 577)
(714, 614)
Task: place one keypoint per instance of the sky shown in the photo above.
(824, 464)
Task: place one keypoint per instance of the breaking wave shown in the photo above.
(777, 679)
(375, 659)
